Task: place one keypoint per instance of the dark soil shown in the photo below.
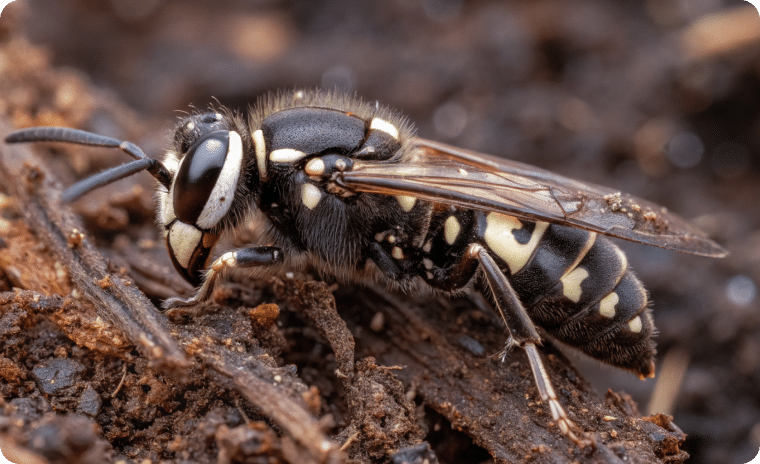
(633, 95)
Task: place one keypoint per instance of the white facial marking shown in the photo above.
(261, 153)
(223, 193)
(166, 204)
(391, 239)
(166, 208)
(190, 125)
(310, 195)
(427, 246)
(427, 263)
(397, 253)
(571, 284)
(607, 305)
(501, 240)
(385, 126)
(635, 324)
(183, 240)
(380, 236)
(451, 230)
(286, 155)
(171, 161)
(315, 167)
(429, 275)
(406, 202)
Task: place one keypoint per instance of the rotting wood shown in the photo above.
(258, 383)
(387, 422)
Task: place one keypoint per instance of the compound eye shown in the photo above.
(198, 174)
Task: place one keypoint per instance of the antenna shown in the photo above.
(80, 137)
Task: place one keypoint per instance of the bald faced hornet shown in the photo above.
(345, 187)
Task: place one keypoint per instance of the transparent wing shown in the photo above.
(441, 173)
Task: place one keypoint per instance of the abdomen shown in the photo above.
(574, 284)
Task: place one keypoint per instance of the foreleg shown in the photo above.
(239, 259)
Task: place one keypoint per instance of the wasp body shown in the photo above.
(344, 187)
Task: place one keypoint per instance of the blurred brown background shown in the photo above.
(659, 98)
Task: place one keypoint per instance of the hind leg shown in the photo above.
(523, 333)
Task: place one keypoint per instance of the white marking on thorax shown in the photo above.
(427, 246)
(385, 126)
(315, 167)
(406, 202)
(223, 193)
(451, 230)
(286, 155)
(310, 195)
(261, 153)
(500, 239)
